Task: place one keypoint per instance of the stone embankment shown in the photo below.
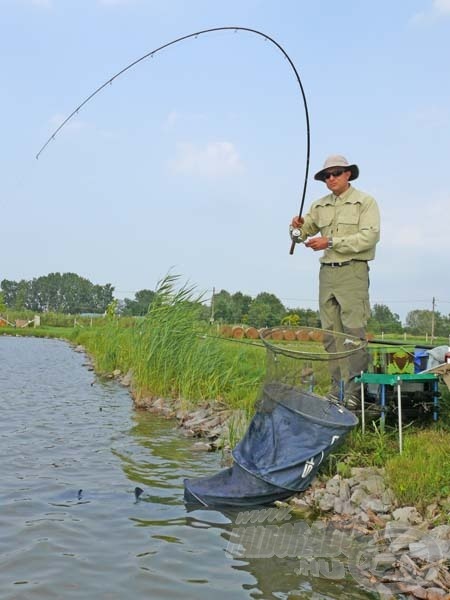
(408, 553)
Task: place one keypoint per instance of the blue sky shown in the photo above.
(194, 160)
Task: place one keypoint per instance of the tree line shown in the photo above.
(266, 310)
(68, 293)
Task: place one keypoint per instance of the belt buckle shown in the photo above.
(341, 264)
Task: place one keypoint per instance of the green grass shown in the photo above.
(418, 477)
(173, 354)
(371, 449)
(421, 474)
(411, 340)
(67, 333)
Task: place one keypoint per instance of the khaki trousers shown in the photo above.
(344, 307)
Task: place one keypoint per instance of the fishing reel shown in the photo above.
(295, 234)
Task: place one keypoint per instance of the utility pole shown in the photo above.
(211, 318)
(432, 319)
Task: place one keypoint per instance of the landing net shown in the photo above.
(312, 360)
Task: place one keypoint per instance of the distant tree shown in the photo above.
(62, 293)
(16, 293)
(223, 307)
(266, 310)
(140, 305)
(310, 317)
(240, 305)
(23, 296)
(445, 326)
(56, 292)
(307, 317)
(2, 304)
(383, 320)
(420, 322)
(101, 296)
(9, 290)
(204, 312)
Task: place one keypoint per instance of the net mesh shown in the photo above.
(294, 427)
(312, 360)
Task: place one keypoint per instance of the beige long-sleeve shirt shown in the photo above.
(352, 220)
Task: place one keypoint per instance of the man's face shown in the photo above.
(336, 179)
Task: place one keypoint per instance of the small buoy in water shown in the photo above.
(137, 492)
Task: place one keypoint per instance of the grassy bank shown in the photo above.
(418, 477)
(172, 354)
(421, 474)
(65, 333)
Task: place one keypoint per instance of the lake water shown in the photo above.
(73, 451)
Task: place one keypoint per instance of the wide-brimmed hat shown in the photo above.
(336, 160)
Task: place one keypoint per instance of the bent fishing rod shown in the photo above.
(181, 39)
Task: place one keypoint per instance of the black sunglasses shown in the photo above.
(336, 173)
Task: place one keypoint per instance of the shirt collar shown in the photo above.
(345, 195)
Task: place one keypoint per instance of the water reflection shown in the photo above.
(274, 577)
(269, 577)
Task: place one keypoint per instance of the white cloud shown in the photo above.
(214, 159)
(439, 9)
(442, 6)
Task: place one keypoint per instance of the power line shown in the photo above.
(315, 300)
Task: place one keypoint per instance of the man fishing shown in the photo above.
(348, 221)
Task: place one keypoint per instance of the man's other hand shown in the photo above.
(317, 243)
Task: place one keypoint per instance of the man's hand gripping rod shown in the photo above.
(295, 233)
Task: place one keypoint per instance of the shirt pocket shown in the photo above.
(325, 215)
(348, 219)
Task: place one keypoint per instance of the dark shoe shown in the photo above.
(352, 401)
(334, 395)
(352, 388)
(332, 398)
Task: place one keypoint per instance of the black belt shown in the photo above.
(342, 264)
(337, 264)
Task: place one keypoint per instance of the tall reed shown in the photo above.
(172, 354)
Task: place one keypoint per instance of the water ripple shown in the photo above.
(72, 525)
